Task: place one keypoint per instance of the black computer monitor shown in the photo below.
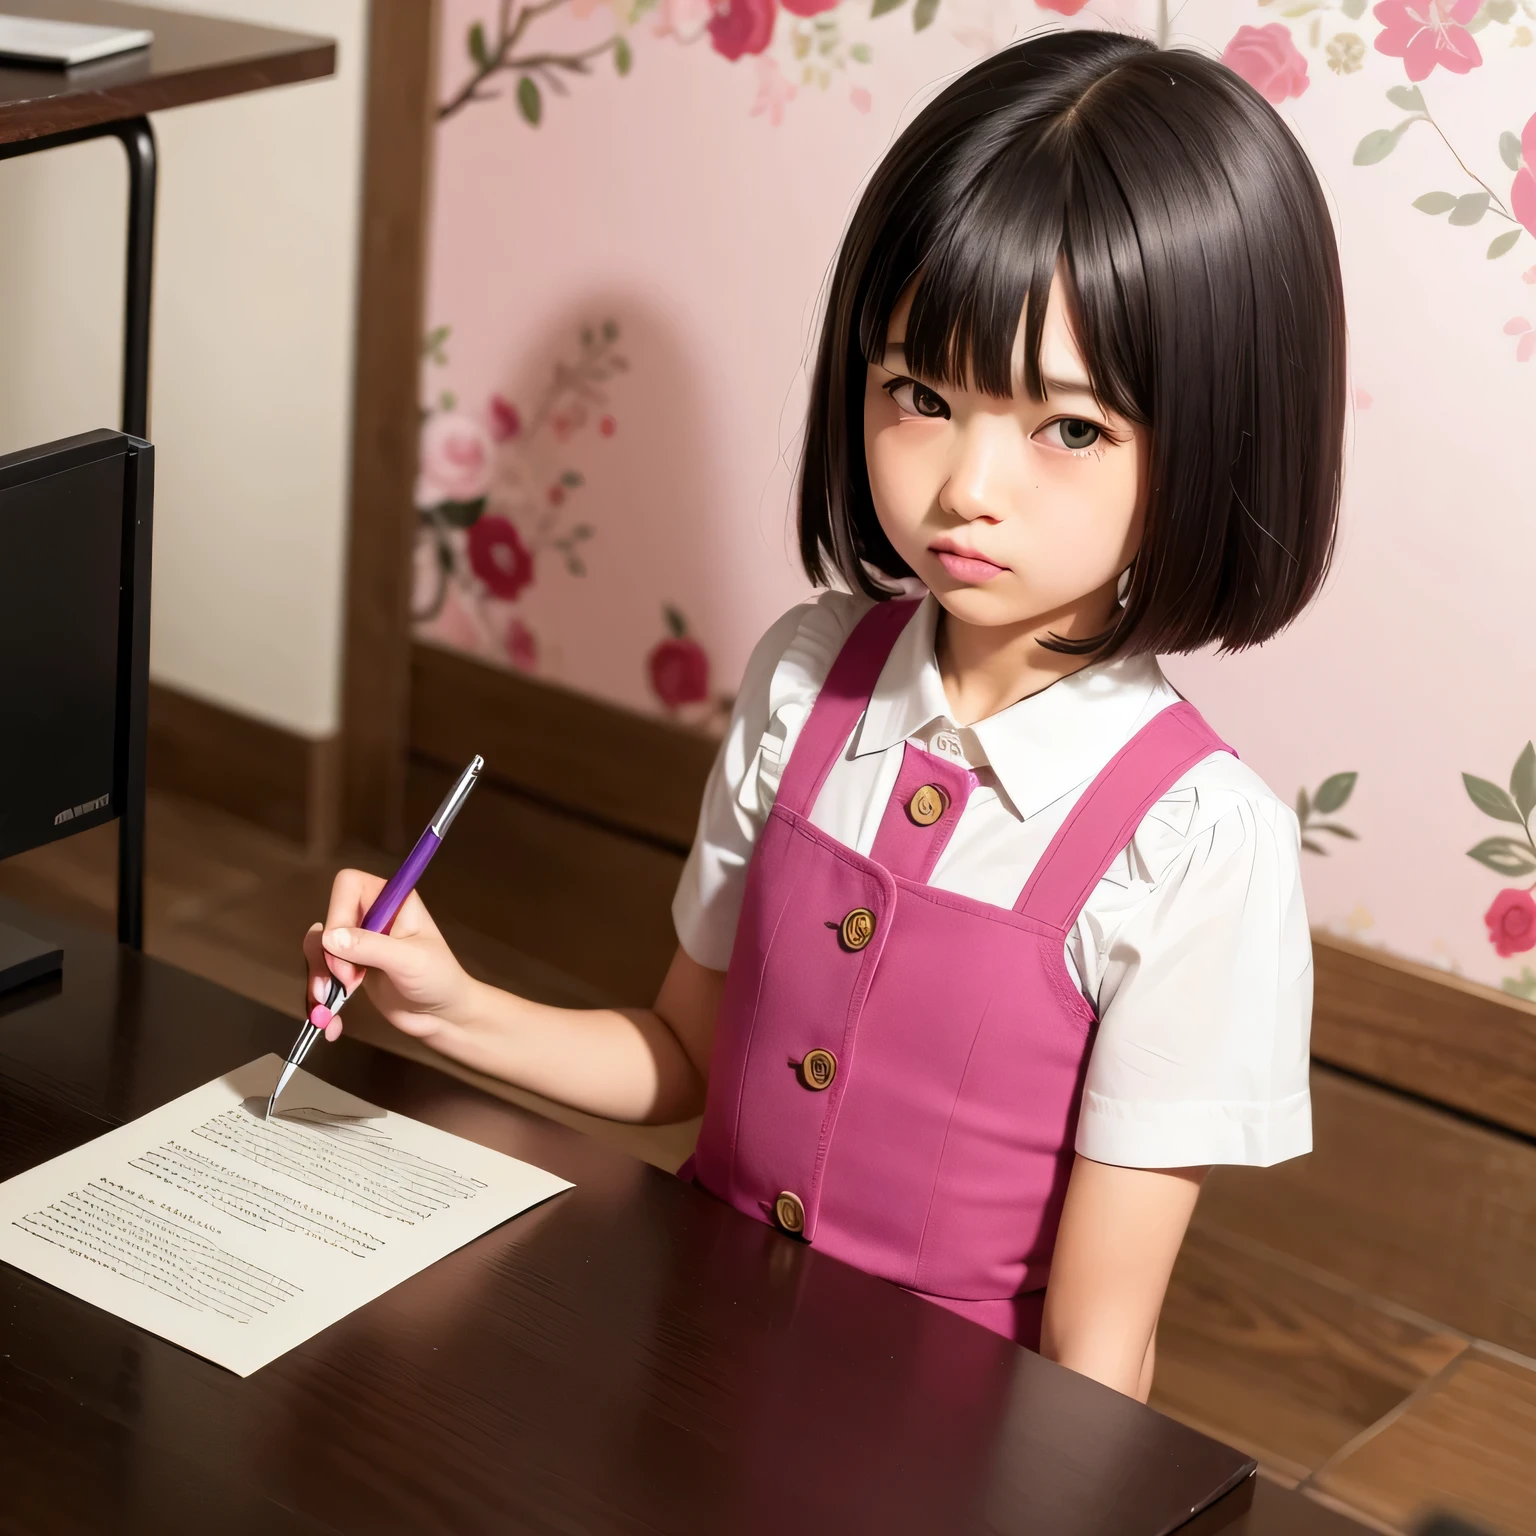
(75, 521)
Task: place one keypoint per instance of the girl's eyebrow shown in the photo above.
(1054, 386)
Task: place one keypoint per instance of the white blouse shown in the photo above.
(1193, 949)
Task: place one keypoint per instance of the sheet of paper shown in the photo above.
(238, 1237)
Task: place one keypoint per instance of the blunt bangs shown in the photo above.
(1204, 291)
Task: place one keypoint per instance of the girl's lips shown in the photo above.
(968, 568)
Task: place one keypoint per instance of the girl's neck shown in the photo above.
(987, 667)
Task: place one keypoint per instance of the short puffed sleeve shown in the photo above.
(785, 673)
(1205, 1001)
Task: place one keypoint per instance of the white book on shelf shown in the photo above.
(63, 43)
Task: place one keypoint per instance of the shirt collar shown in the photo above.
(1040, 748)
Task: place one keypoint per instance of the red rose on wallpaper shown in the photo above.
(498, 556)
(1062, 7)
(1511, 922)
(505, 421)
(1424, 33)
(522, 648)
(743, 26)
(1522, 195)
(1267, 59)
(816, 7)
(678, 667)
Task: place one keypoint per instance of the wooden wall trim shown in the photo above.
(1434, 1034)
(1404, 1025)
(275, 778)
(399, 128)
(620, 769)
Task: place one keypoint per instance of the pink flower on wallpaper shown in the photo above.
(1062, 7)
(810, 7)
(1522, 328)
(1522, 196)
(455, 462)
(686, 20)
(1426, 33)
(498, 556)
(861, 99)
(1511, 923)
(522, 648)
(505, 421)
(1267, 59)
(742, 26)
(773, 90)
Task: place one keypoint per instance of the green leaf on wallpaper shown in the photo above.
(1334, 791)
(571, 478)
(1509, 150)
(1336, 829)
(1501, 11)
(1491, 800)
(677, 625)
(1304, 9)
(1435, 202)
(1303, 805)
(1408, 97)
(859, 53)
(1522, 781)
(1354, 9)
(529, 102)
(1470, 209)
(460, 514)
(478, 52)
(1503, 855)
(1379, 143)
(1502, 243)
(880, 7)
(923, 13)
(623, 55)
(1523, 985)
(1312, 847)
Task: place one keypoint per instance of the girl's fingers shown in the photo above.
(352, 948)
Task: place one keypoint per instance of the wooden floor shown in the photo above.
(1362, 1320)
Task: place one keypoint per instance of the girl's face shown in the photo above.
(1016, 512)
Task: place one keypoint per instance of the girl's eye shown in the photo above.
(917, 399)
(1076, 434)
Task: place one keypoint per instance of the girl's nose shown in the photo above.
(982, 471)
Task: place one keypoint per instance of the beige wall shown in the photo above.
(251, 389)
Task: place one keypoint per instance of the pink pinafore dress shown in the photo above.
(897, 1069)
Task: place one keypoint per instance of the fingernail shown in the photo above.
(337, 938)
(322, 989)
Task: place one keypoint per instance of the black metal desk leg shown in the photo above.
(138, 142)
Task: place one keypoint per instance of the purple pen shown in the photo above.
(382, 913)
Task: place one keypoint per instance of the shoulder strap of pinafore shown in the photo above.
(843, 698)
(1109, 811)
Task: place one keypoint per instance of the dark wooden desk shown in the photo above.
(193, 58)
(632, 1356)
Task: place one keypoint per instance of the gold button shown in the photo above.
(789, 1212)
(927, 805)
(858, 928)
(818, 1069)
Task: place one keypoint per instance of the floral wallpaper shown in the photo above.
(636, 205)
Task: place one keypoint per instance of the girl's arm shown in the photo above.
(637, 1064)
(1120, 1233)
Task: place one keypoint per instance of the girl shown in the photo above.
(989, 947)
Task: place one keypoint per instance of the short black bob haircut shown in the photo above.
(1204, 281)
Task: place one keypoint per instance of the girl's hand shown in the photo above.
(410, 973)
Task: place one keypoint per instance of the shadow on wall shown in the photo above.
(574, 522)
